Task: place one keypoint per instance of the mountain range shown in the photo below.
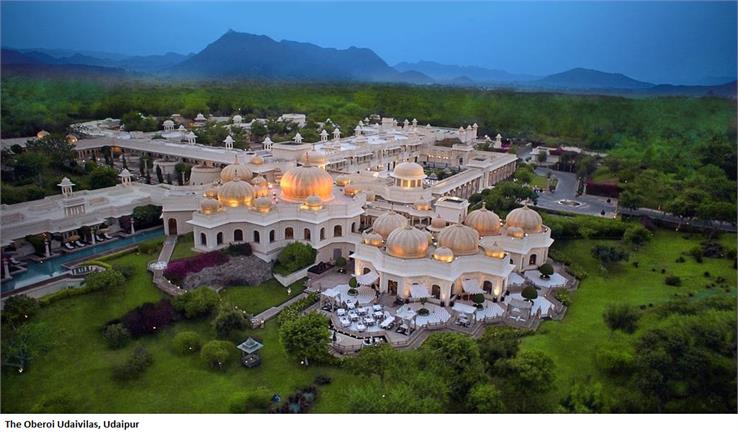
(236, 56)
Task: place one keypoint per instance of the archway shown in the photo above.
(203, 239)
(172, 226)
(436, 291)
(238, 235)
(392, 287)
(487, 286)
(532, 260)
(219, 238)
(306, 234)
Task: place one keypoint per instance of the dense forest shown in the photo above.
(672, 153)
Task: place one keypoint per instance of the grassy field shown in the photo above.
(75, 363)
(573, 341)
(183, 249)
(256, 299)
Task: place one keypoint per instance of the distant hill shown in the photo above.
(14, 57)
(244, 55)
(726, 90)
(450, 73)
(152, 63)
(581, 78)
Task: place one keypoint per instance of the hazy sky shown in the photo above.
(658, 41)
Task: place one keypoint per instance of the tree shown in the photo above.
(306, 337)
(295, 256)
(458, 356)
(18, 309)
(116, 335)
(527, 378)
(102, 177)
(183, 171)
(586, 166)
(498, 343)
(637, 235)
(147, 216)
(135, 365)
(228, 320)
(197, 302)
(608, 255)
(546, 270)
(186, 342)
(621, 317)
(377, 360)
(485, 399)
(529, 293)
(584, 398)
(217, 354)
(106, 279)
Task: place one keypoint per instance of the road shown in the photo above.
(566, 190)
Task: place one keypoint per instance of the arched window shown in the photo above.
(337, 230)
(436, 291)
(271, 236)
(353, 227)
(487, 286)
(366, 270)
(306, 234)
(289, 233)
(392, 287)
(219, 238)
(238, 235)
(322, 233)
(257, 237)
(203, 239)
(532, 260)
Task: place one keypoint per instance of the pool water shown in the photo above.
(39, 271)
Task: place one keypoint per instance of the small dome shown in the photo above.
(209, 206)
(343, 180)
(438, 223)
(300, 182)
(484, 221)
(526, 219)
(256, 160)
(235, 170)
(263, 204)
(373, 239)
(211, 193)
(422, 205)
(407, 243)
(443, 254)
(237, 119)
(259, 180)
(408, 170)
(351, 190)
(71, 139)
(515, 232)
(236, 193)
(261, 190)
(314, 158)
(462, 240)
(41, 134)
(493, 250)
(313, 203)
(388, 222)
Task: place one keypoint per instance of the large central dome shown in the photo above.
(526, 219)
(462, 240)
(407, 243)
(300, 182)
(484, 221)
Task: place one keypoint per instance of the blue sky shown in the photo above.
(658, 41)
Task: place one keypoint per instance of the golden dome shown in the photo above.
(211, 193)
(343, 180)
(462, 240)
(313, 203)
(422, 205)
(300, 182)
(71, 139)
(41, 134)
(209, 206)
(235, 170)
(515, 232)
(263, 204)
(314, 158)
(443, 254)
(256, 160)
(484, 221)
(261, 191)
(373, 239)
(407, 243)
(388, 222)
(493, 250)
(259, 180)
(408, 170)
(438, 223)
(350, 190)
(236, 193)
(526, 219)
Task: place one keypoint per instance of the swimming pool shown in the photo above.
(40, 271)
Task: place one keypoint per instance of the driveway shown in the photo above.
(566, 190)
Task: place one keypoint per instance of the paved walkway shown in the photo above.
(159, 280)
(270, 313)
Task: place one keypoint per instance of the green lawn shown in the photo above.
(573, 341)
(256, 299)
(183, 249)
(539, 181)
(76, 363)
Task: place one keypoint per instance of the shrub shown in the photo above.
(341, 262)
(478, 298)
(186, 342)
(104, 280)
(243, 249)
(673, 280)
(149, 318)
(252, 402)
(563, 297)
(127, 271)
(177, 270)
(680, 260)
(228, 320)
(217, 354)
(353, 282)
(621, 317)
(529, 293)
(293, 257)
(546, 269)
(149, 247)
(637, 235)
(609, 255)
(322, 380)
(613, 359)
(116, 335)
(696, 253)
(133, 366)
(197, 302)
(19, 309)
(293, 311)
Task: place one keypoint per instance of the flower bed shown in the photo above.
(177, 270)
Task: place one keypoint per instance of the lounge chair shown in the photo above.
(69, 246)
(79, 243)
(108, 236)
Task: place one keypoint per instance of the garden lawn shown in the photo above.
(75, 364)
(183, 248)
(256, 299)
(573, 341)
